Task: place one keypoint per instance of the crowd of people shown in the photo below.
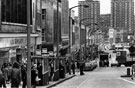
(15, 73)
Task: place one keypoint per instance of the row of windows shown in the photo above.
(15, 11)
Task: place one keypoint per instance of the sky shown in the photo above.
(105, 6)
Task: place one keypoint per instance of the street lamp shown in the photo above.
(28, 46)
(92, 31)
(80, 31)
(57, 44)
(85, 6)
(58, 27)
(86, 36)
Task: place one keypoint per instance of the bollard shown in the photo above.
(128, 71)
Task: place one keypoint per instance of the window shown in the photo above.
(43, 14)
(15, 11)
(43, 34)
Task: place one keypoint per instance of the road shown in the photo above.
(105, 77)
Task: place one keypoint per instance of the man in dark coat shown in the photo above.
(24, 75)
(73, 67)
(15, 76)
(2, 80)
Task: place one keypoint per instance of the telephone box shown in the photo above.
(43, 69)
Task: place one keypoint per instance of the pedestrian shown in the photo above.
(78, 65)
(73, 67)
(51, 65)
(4, 70)
(34, 74)
(15, 76)
(81, 67)
(39, 68)
(61, 70)
(133, 70)
(68, 67)
(24, 75)
(2, 80)
(9, 72)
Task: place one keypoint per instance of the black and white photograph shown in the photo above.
(67, 43)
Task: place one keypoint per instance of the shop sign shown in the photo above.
(44, 50)
(38, 52)
(12, 53)
(18, 41)
(9, 42)
(51, 53)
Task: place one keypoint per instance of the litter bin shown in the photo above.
(128, 71)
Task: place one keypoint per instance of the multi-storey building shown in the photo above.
(65, 26)
(122, 18)
(13, 29)
(89, 15)
(55, 32)
(92, 12)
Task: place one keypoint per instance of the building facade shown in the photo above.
(105, 24)
(122, 19)
(92, 13)
(65, 26)
(13, 30)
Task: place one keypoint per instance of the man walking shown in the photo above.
(73, 67)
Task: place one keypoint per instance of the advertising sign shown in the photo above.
(111, 33)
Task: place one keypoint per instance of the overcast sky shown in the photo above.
(105, 6)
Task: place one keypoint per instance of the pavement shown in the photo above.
(52, 83)
(126, 77)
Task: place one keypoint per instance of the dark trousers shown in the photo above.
(24, 83)
(81, 70)
(14, 83)
(2, 83)
(73, 70)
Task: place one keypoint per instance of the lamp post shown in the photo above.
(28, 46)
(57, 44)
(86, 35)
(85, 6)
(80, 32)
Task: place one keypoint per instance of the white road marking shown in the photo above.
(127, 81)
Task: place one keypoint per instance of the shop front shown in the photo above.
(15, 49)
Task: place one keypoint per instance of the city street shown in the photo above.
(101, 77)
